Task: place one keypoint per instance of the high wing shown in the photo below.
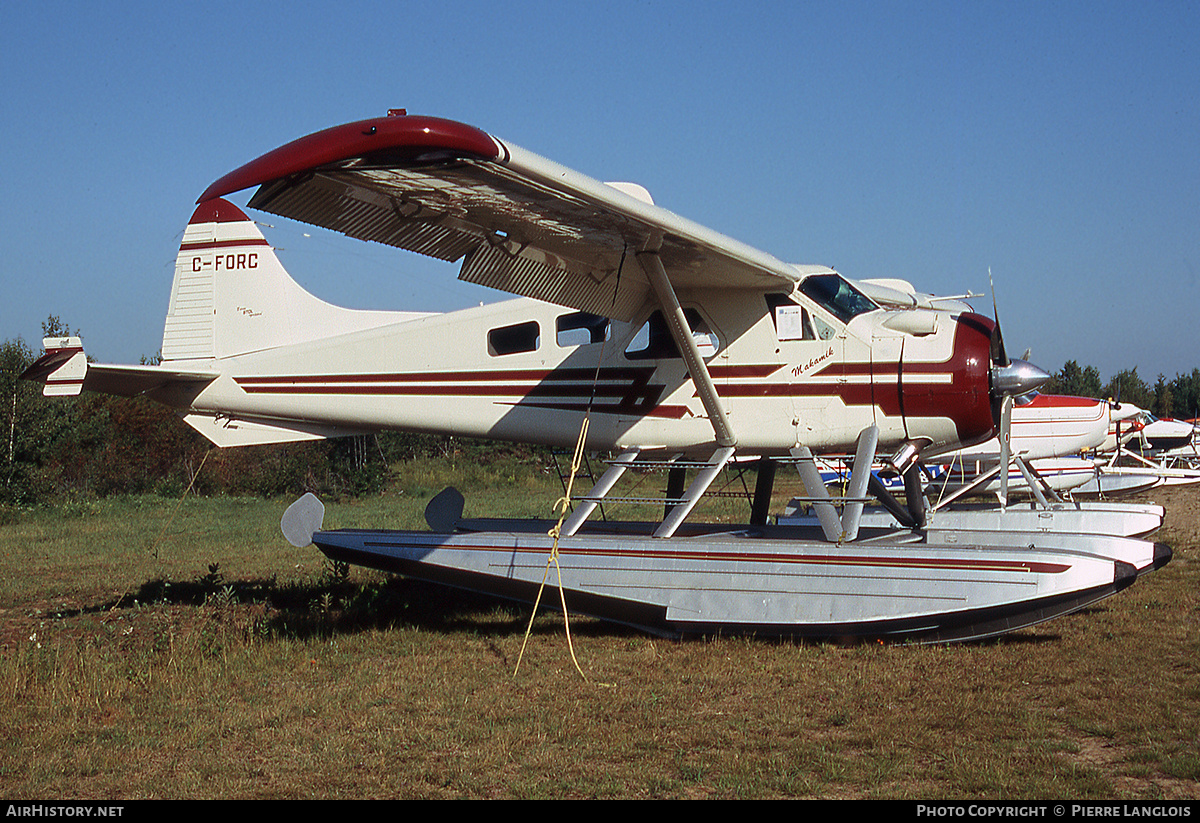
(521, 223)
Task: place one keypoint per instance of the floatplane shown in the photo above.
(1154, 435)
(1143, 449)
(634, 333)
(1044, 461)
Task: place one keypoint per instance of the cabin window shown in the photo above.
(791, 320)
(581, 328)
(521, 337)
(834, 293)
(654, 342)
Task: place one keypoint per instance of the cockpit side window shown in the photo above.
(791, 320)
(833, 293)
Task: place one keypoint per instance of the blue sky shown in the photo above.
(1054, 143)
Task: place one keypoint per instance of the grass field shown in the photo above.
(154, 648)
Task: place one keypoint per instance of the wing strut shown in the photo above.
(844, 527)
(602, 487)
(700, 484)
(682, 333)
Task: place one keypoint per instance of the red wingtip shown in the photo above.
(411, 134)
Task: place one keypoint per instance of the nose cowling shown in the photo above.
(970, 388)
(956, 390)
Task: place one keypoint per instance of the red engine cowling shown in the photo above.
(958, 388)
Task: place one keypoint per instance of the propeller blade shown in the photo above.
(1005, 445)
(999, 355)
(1010, 377)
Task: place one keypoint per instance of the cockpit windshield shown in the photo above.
(834, 294)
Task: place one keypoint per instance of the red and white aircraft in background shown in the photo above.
(1139, 430)
(635, 332)
(1044, 454)
(1047, 462)
(1141, 448)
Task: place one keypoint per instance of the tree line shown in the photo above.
(1164, 398)
(97, 445)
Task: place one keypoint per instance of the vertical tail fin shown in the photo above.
(220, 242)
(232, 296)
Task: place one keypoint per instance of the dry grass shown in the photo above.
(202, 657)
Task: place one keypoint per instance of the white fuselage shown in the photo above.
(443, 373)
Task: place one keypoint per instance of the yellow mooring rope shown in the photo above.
(563, 506)
(182, 497)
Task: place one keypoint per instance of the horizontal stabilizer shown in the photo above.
(131, 381)
(66, 372)
(61, 368)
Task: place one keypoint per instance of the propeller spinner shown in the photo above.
(1016, 377)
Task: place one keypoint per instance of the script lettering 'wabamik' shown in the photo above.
(805, 368)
